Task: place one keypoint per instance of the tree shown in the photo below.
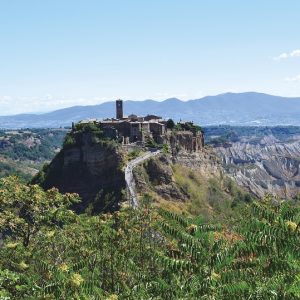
(25, 209)
(170, 124)
(147, 253)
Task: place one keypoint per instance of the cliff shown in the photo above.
(189, 141)
(264, 165)
(89, 166)
(192, 183)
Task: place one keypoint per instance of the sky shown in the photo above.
(60, 53)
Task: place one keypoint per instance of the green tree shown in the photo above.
(170, 124)
(25, 209)
(147, 253)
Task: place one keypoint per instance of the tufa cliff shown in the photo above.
(88, 165)
(189, 141)
(191, 183)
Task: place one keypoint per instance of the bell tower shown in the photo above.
(119, 109)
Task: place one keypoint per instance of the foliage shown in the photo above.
(150, 143)
(165, 149)
(146, 253)
(189, 126)
(25, 209)
(217, 197)
(87, 133)
(69, 141)
(7, 169)
(170, 124)
(33, 144)
(260, 260)
(134, 154)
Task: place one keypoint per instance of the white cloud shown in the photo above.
(14, 105)
(5, 99)
(285, 55)
(293, 79)
(295, 53)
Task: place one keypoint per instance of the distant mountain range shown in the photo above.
(231, 108)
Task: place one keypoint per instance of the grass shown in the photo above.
(134, 154)
(197, 187)
(212, 198)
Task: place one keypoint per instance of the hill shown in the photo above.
(23, 152)
(235, 109)
(92, 165)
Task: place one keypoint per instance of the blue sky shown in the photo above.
(59, 53)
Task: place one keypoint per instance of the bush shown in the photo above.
(165, 149)
(133, 154)
(69, 141)
(150, 143)
(170, 124)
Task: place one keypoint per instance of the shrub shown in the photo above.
(69, 141)
(170, 124)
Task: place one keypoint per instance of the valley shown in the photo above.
(261, 160)
(24, 152)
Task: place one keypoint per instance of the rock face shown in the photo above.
(185, 141)
(206, 162)
(157, 174)
(91, 169)
(192, 183)
(265, 166)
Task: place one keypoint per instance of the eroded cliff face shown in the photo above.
(265, 166)
(206, 162)
(157, 175)
(185, 141)
(192, 183)
(92, 169)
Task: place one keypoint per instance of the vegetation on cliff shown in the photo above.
(88, 164)
(179, 188)
(147, 253)
(83, 131)
(189, 126)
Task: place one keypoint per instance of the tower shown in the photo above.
(119, 109)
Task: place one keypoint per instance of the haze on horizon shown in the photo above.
(57, 54)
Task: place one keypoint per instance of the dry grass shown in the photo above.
(211, 198)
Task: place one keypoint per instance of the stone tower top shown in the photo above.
(119, 109)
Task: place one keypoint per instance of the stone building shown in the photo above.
(133, 128)
(140, 130)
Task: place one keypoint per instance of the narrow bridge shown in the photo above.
(130, 184)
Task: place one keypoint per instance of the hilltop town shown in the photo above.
(150, 129)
